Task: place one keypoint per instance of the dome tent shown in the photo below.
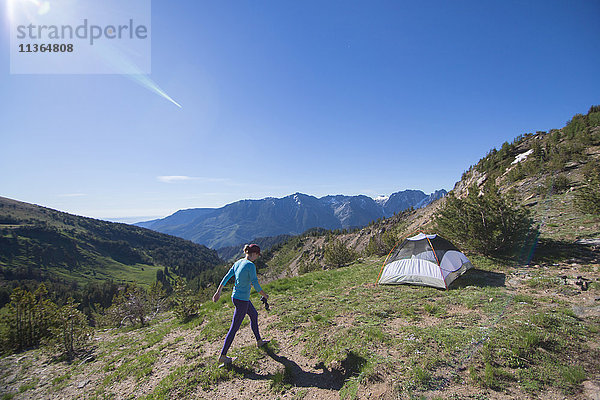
(427, 260)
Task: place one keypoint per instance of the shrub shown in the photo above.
(587, 198)
(308, 266)
(517, 173)
(554, 185)
(70, 332)
(185, 304)
(373, 247)
(489, 223)
(338, 255)
(381, 245)
(135, 304)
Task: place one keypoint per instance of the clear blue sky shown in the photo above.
(278, 97)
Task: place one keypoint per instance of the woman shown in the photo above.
(245, 275)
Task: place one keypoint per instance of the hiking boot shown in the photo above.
(261, 343)
(225, 360)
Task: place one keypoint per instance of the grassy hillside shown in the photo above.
(39, 244)
(501, 332)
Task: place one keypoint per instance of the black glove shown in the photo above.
(264, 300)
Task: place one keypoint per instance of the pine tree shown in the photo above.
(338, 255)
(27, 319)
(587, 198)
(70, 332)
(185, 304)
(484, 221)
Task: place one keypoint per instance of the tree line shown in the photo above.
(32, 319)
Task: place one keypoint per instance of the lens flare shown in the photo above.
(115, 57)
(120, 62)
(152, 86)
(42, 6)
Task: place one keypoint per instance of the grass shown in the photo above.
(28, 386)
(438, 341)
(106, 269)
(282, 380)
(61, 381)
(181, 381)
(562, 220)
(329, 295)
(137, 366)
(205, 373)
(534, 347)
(133, 352)
(477, 333)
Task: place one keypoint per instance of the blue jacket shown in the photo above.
(245, 275)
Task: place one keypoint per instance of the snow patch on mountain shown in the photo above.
(522, 157)
(381, 200)
(343, 212)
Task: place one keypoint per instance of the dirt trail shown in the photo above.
(309, 382)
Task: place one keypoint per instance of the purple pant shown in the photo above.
(241, 309)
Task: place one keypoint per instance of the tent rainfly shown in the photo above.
(427, 260)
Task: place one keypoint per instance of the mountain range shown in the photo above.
(244, 220)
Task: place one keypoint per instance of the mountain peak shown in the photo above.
(294, 214)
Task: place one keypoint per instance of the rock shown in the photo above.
(583, 312)
(592, 389)
(82, 384)
(592, 241)
(87, 359)
(514, 282)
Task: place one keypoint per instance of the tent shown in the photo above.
(427, 260)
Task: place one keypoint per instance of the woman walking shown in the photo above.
(244, 271)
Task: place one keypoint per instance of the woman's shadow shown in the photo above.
(327, 379)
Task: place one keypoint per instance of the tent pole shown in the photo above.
(438, 261)
(390, 253)
(384, 261)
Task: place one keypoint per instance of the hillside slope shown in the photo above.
(544, 171)
(40, 244)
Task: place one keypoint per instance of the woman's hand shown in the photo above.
(263, 294)
(217, 294)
